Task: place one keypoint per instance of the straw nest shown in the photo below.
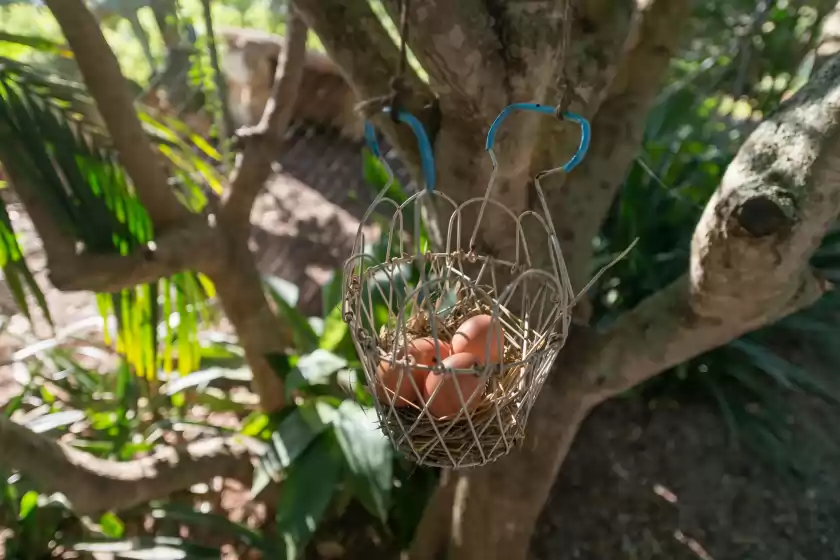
(468, 438)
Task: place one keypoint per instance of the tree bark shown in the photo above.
(94, 485)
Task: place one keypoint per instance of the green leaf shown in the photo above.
(285, 296)
(787, 374)
(335, 330)
(280, 363)
(293, 435)
(313, 371)
(369, 456)
(28, 503)
(37, 43)
(331, 293)
(307, 494)
(409, 500)
(149, 548)
(112, 526)
(55, 420)
(216, 523)
(204, 377)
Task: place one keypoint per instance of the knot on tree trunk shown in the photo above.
(771, 212)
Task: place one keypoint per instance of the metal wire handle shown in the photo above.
(577, 157)
(585, 131)
(424, 146)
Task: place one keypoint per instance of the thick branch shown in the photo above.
(456, 44)
(253, 166)
(750, 252)
(101, 72)
(369, 60)
(363, 50)
(665, 330)
(241, 294)
(94, 485)
(189, 246)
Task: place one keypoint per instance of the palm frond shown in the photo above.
(45, 136)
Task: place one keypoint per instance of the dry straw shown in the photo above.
(412, 290)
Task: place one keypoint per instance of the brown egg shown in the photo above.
(421, 352)
(445, 402)
(473, 337)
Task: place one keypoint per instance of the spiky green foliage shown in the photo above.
(47, 139)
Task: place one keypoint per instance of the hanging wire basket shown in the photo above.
(455, 344)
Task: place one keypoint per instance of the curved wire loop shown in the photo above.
(585, 131)
(424, 146)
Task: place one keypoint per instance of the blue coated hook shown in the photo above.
(424, 146)
(585, 131)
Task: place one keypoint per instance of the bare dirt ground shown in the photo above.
(666, 483)
(639, 483)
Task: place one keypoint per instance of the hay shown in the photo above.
(467, 438)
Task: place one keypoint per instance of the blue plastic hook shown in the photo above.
(424, 146)
(585, 131)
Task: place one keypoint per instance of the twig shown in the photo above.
(94, 485)
(263, 141)
(226, 126)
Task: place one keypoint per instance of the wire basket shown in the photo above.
(455, 345)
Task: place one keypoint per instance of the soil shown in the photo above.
(640, 482)
(666, 483)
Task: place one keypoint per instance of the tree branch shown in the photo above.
(94, 485)
(750, 251)
(580, 206)
(369, 70)
(218, 78)
(107, 85)
(190, 246)
(364, 51)
(665, 330)
(253, 166)
(456, 45)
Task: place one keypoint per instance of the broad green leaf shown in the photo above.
(254, 424)
(36, 42)
(331, 293)
(216, 523)
(55, 420)
(317, 325)
(285, 296)
(293, 435)
(281, 364)
(204, 377)
(149, 548)
(369, 456)
(409, 500)
(335, 330)
(307, 494)
(313, 370)
(319, 365)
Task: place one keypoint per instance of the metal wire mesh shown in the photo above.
(455, 344)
